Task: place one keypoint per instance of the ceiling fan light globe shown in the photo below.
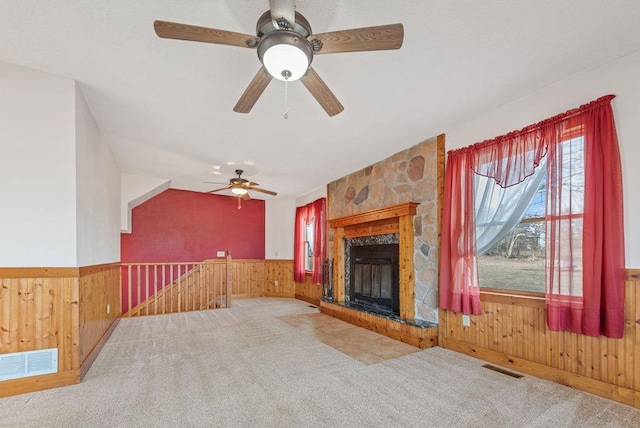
(285, 62)
(238, 191)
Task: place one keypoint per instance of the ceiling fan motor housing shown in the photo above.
(285, 53)
(265, 25)
(238, 181)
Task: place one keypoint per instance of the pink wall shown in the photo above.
(180, 226)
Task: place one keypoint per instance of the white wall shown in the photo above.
(37, 169)
(280, 217)
(620, 77)
(320, 192)
(97, 192)
(136, 189)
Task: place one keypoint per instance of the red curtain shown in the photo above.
(459, 287)
(604, 255)
(315, 211)
(298, 246)
(584, 219)
(585, 254)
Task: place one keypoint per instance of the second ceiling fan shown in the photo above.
(286, 46)
(240, 187)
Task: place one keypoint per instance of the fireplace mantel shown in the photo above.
(392, 212)
(393, 219)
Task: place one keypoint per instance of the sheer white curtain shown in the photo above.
(499, 209)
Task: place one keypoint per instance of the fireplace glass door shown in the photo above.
(374, 277)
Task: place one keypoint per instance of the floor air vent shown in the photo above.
(503, 371)
(32, 363)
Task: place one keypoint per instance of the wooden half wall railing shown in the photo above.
(166, 288)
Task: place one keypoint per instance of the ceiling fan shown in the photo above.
(286, 47)
(240, 187)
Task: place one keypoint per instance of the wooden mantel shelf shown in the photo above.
(394, 211)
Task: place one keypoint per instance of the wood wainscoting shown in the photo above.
(99, 309)
(279, 279)
(282, 272)
(248, 278)
(308, 290)
(512, 332)
(64, 308)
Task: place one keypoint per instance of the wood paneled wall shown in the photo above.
(282, 272)
(62, 308)
(99, 286)
(38, 309)
(308, 291)
(256, 278)
(248, 278)
(512, 332)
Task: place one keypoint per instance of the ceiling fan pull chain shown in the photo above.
(286, 100)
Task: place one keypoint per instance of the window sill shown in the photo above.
(511, 297)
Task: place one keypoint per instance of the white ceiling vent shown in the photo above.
(32, 363)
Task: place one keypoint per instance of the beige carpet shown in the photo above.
(244, 367)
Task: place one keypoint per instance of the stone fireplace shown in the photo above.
(415, 174)
(354, 204)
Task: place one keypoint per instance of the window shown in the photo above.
(308, 245)
(516, 260)
(511, 226)
(583, 225)
(309, 249)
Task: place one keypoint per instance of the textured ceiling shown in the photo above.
(165, 106)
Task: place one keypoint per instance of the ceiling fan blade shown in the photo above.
(321, 92)
(174, 30)
(382, 37)
(253, 91)
(285, 9)
(220, 189)
(268, 192)
(246, 196)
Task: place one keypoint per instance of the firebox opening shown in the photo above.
(374, 279)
